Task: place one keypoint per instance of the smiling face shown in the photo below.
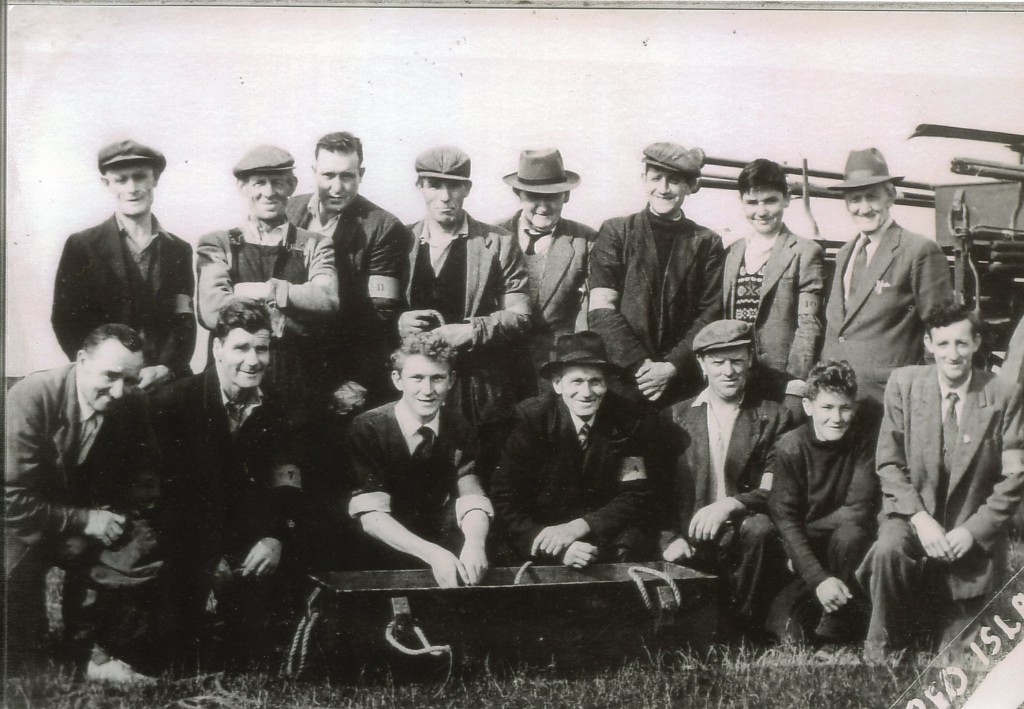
(763, 208)
(582, 388)
(869, 206)
(424, 384)
(542, 211)
(444, 199)
(107, 373)
(953, 347)
(831, 413)
(267, 194)
(666, 190)
(337, 180)
(242, 359)
(132, 186)
(726, 370)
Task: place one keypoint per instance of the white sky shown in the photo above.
(204, 84)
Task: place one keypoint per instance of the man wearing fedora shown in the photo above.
(557, 250)
(656, 280)
(469, 287)
(716, 470)
(885, 280)
(572, 485)
(129, 270)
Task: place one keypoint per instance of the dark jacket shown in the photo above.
(92, 289)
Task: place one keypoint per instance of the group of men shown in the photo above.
(563, 395)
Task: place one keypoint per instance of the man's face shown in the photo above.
(268, 193)
(581, 388)
(132, 187)
(107, 374)
(726, 370)
(337, 179)
(444, 199)
(869, 206)
(953, 347)
(242, 358)
(424, 384)
(763, 208)
(666, 190)
(542, 211)
(831, 413)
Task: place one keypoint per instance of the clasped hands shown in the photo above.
(653, 378)
(564, 541)
(937, 542)
(470, 566)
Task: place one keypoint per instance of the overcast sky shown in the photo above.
(205, 84)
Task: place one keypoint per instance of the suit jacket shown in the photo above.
(987, 477)
(46, 492)
(92, 289)
(881, 327)
(685, 471)
(560, 305)
(491, 372)
(788, 326)
(624, 259)
(545, 478)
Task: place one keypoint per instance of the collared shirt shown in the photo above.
(870, 246)
(89, 420)
(721, 419)
(253, 234)
(411, 425)
(145, 255)
(960, 391)
(579, 423)
(440, 241)
(541, 246)
(326, 228)
(756, 251)
(238, 416)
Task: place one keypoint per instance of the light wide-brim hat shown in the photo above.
(581, 349)
(542, 171)
(864, 168)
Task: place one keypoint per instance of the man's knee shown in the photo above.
(851, 539)
(756, 529)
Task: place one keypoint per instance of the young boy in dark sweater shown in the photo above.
(825, 498)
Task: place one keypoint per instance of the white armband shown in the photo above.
(632, 469)
(604, 299)
(183, 304)
(383, 287)
(286, 475)
(467, 503)
(796, 387)
(766, 481)
(369, 502)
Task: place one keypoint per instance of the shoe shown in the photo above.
(116, 672)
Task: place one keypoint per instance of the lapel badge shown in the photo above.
(967, 438)
(881, 285)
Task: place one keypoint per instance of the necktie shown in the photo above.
(426, 446)
(860, 267)
(236, 410)
(534, 235)
(86, 436)
(584, 435)
(950, 434)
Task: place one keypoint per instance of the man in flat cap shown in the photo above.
(716, 465)
(374, 242)
(557, 250)
(572, 485)
(886, 279)
(129, 270)
(656, 280)
(469, 286)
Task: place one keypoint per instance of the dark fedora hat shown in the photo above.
(580, 349)
(542, 171)
(863, 168)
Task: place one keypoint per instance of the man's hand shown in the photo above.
(653, 378)
(678, 549)
(263, 558)
(153, 376)
(104, 525)
(832, 594)
(553, 541)
(579, 554)
(349, 397)
(413, 322)
(960, 541)
(708, 521)
(447, 569)
(474, 560)
(256, 290)
(932, 536)
(457, 335)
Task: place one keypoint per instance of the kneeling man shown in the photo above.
(411, 458)
(572, 484)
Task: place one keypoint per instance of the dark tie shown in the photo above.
(236, 410)
(950, 434)
(426, 446)
(534, 236)
(860, 266)
(584, 435)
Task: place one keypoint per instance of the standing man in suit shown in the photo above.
(129, 270)
(886, 279)
(656, 280)
(469, 287)
(951, 462)
(572, 485)
(79, 481)
(557, 250)
(375, 244)
(774, 279)
(716, 470)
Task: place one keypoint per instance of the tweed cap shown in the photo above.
(444, 161)
(128, 151)
(864, 168)
(722, 334)
(264, 158)
(581, 349)
(670, 156)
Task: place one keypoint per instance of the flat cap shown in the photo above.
(127, 151)
(264, 158)
(670, 156)
(721, 334)
(444, 161)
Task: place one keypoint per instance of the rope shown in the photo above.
(427, 649)
(305, 642)
(303, 632)
(522, 573)
(634, 573)
(293, 650)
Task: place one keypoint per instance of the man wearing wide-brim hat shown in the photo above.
(557, 250)
(572, 486)
(656, 280)
(886, 278)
